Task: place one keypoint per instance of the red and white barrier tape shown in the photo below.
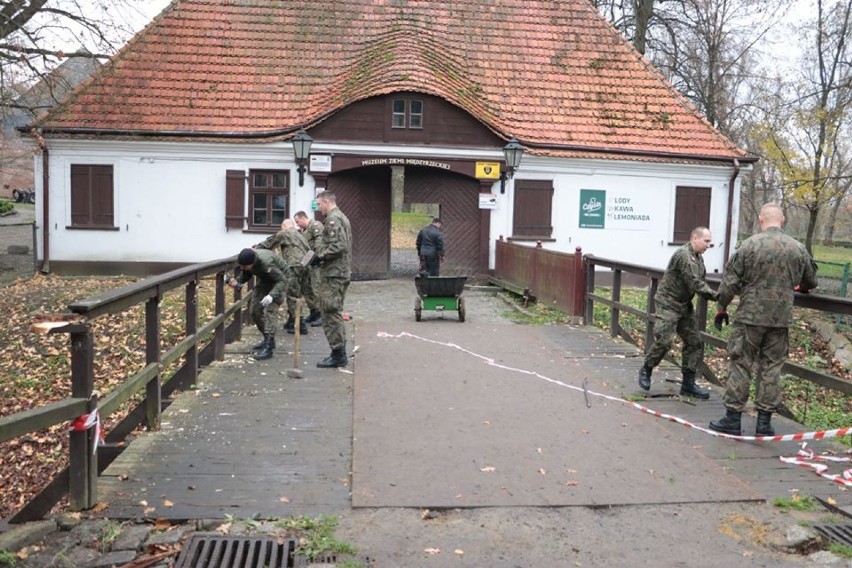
(845, 478)
(87, 421)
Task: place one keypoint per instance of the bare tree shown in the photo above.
(822, 103)
(34, 35)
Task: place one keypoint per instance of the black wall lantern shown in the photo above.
(512, 152)
(302, 149)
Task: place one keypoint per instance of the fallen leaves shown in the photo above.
(35, 369)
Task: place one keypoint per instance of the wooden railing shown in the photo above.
(199, 346)
(828, 304)
(543, 275)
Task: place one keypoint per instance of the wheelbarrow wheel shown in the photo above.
(418, 308)
(461, 309)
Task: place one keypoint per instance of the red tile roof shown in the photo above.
(553, 73)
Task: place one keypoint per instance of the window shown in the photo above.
(692, 209)
(533, 209)
(92, 196)
(407, 113)
(268, 197)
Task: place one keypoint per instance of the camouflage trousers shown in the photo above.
(266, 319)
(759, 352)
(301, 285)
(330, 296)
(667, 323)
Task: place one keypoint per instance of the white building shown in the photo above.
(180, 150)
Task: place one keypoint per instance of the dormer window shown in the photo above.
(407, 113)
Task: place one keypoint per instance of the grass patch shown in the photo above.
(842, 550)
(536, 313)
(796, 503)
(410, 221)
(316, 536)
(831, 260)
(110, 531)
(7, 558)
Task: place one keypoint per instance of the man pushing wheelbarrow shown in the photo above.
(430, 247)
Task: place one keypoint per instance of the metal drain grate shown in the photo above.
(837, 533)
(214, 550)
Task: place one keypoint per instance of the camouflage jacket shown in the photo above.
(336, 246)
(684, 277)
(291, 245)
(763, 271)
(313, 234)
(270, 270)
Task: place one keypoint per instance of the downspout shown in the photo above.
(730, 223)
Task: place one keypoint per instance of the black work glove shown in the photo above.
(721, 318)
(316, 260)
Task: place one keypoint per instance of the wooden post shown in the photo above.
(579, 287)
(589, 316)
(83, 482)
(219, 309)
(614, 311)
(191, 307)
(153, 392)
(297, 338)
(652, 309)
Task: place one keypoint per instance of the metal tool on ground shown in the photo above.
(439, 293)
(296, 372)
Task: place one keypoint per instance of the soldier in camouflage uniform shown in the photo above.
(333, 259)
(311, 230)
(292, 248)
(268, 294)
(683, 278)
(765, 271)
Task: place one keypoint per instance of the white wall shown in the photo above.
(647, 188)
(170, 199)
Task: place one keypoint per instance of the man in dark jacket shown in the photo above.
(269, 293)
(684, 277)
(764, 271)
(430, 247)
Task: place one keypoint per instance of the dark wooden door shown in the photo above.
(458, 197)
(364, 196)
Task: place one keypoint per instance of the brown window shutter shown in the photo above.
(533, 209)
(235, 192)
(692, 209)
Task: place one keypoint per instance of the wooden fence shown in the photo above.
(199, 346)
(555, 278)
(828, 304)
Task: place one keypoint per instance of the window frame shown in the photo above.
(93, 208)
(269, 192)
(407, 114)
(689, 205)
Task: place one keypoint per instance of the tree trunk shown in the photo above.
(642, 10)
(828, 238)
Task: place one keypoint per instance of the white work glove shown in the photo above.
(266, 301)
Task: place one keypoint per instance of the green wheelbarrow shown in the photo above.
(439, 293)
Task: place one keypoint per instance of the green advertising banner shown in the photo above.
(592, 208)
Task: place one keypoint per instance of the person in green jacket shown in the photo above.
(682, 280)
(765, 271)
(269, 293)
(334, 259)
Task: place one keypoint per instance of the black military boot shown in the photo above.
(689, 388)
(262, 345)
(266, 351)
(338, 358)
(316, 318)
(303, 326)
(645, 377)
(729, 424)
(290, 326)
(764, 426)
